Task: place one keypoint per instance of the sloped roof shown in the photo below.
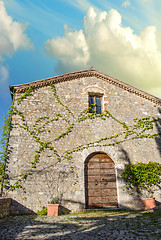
(82, 74)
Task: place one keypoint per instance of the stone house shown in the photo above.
(71, 137)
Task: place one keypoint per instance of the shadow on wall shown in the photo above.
(158, 141)
(137, 199)
(158, 126)
(56, 186)
(71, 204)
(124, 156)
(126, 160)
(19, 209)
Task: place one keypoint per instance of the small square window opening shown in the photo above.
(95, 104)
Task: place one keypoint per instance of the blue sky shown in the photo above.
(44, 38)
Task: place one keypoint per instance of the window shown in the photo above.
(95, 104)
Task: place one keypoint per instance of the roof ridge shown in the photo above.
(86, 73)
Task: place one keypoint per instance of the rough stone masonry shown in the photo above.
(53, 135)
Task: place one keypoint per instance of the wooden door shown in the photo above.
(100, 182)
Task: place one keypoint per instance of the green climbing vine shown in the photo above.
(138, 130)
(58, 100)
(4, 178)
(27, 93)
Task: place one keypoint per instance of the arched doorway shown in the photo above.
(100, 181)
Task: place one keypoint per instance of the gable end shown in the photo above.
(84, 74)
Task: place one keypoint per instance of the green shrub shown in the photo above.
(142, 177)
(43, 211)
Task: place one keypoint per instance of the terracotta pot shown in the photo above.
(149, 203)
(53, 209)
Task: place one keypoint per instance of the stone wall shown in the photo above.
(5, 207)
(52, 135)
(9, 206)
(17, 208)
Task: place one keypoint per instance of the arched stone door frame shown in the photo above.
(99, 183)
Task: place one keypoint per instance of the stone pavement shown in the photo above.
(86, 225)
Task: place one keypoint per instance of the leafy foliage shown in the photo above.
(56, 200)
(27, 93)
(43, 211)
(142, 177)
(138, 130)
(4, 179)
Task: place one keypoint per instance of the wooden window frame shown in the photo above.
(95, 107)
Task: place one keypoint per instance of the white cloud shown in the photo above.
(71, 49)
(126, 4)
(111, 48)
(83, 5)
(12, 36)
(4, 77)
(41, 16)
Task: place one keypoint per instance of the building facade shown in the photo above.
(72, 136)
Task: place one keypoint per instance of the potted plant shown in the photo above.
(142, 178)
(53, 207)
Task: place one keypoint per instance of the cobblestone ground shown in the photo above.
(87, 225)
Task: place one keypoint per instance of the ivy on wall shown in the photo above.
(4, 178)
(142, 178)
(138, 130)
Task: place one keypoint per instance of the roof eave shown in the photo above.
(85, 73)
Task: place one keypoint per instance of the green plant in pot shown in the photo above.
(56, 200)
(142, 178)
